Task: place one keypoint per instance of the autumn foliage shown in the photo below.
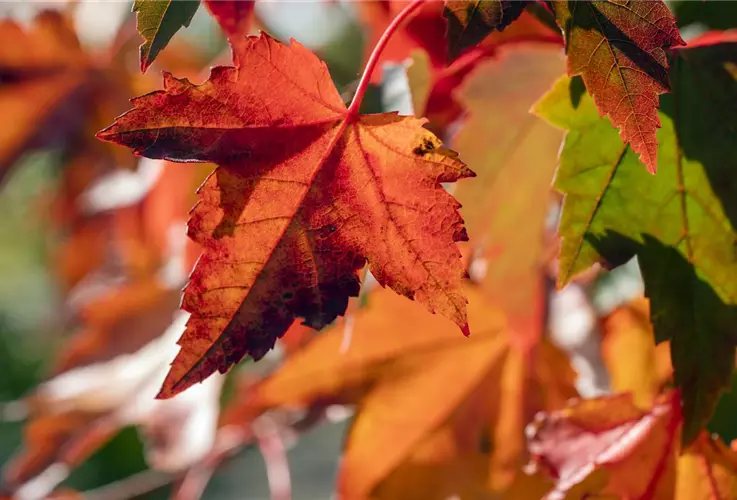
(438, 272)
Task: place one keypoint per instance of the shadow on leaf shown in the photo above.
(686, 311)
(703, 107)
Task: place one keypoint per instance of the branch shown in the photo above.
(275, 458)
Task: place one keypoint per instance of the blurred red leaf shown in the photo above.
(638, 449)
(425, 29)
(235, 17)
(713, 38)
(605, 433)
(435, 89)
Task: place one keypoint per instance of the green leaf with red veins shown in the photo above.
(618, 47)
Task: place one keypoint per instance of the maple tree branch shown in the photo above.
(231, 440)
(376, 55)
(191, 483)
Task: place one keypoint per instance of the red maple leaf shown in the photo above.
(307, 191)
(619, 50)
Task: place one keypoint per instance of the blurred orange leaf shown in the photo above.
(508, 204)
(42, 70)
(430, 407)
(68, 439)
(634, 362)
(106, 374)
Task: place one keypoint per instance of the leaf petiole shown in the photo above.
(353, 109)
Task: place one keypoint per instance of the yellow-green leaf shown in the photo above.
(157, 21)
(679, 223)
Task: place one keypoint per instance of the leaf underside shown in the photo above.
(619, 50)
(305, 194)
(470, 21)
(636, 449)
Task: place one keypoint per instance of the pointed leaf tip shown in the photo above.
(145, 63)
(620, 51)
(104, 134)
(157, 22)
(171, 388)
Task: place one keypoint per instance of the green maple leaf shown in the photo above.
(680, 223)
(157, 21)
(710, 15)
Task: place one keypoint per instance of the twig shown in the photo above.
(132, 486)
(229, 441)
(275, 458)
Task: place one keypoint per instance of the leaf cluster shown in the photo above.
(561, 140)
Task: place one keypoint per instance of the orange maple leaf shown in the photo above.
(306, 192)
(436, 415)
